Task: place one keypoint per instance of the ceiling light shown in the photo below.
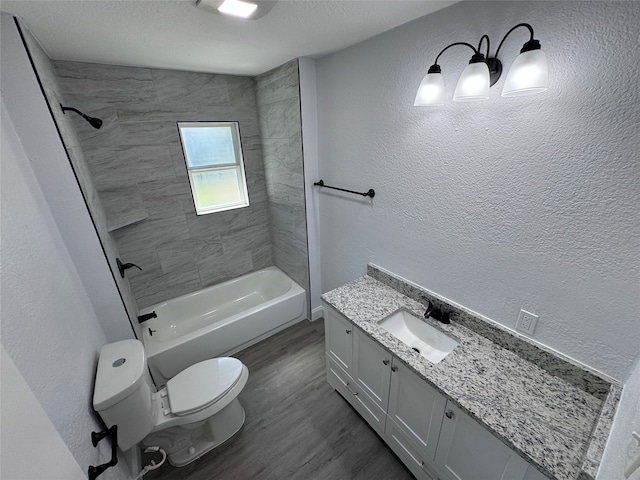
(246, 10)
(527, 75)
(237, 8)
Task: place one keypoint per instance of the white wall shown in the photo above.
(27, 429)
(49, 328)
(41, 141)
(309, 115)
(510, 203)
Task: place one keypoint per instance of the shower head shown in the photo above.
(95, 122)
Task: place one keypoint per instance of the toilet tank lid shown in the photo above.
(121, 370)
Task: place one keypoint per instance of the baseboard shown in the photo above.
(317, 313)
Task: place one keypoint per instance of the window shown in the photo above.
(213, 155)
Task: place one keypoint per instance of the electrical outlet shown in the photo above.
(526, 322)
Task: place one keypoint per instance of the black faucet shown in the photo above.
(436, 313)
(147, 316)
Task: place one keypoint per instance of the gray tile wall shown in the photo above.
(67, 126)
(138, 168)
(278, 97)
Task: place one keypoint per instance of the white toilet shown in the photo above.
(195, 412)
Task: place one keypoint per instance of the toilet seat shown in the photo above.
(202, 384)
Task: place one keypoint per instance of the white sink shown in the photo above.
(429, 342)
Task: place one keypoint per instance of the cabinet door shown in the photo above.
(416, 408)
(410, 454)
(371, 369)
(338, 343)
(467, 451)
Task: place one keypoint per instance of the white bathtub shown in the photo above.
(219, 320)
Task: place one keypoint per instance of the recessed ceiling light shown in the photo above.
(250, 10)
(237, 8)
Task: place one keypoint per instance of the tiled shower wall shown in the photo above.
(137, 166)
(278, 97)
(65, 122)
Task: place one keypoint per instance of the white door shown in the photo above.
(416, 408)
(371, 369)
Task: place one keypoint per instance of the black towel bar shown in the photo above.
(371, 193)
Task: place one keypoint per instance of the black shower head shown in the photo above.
(95, 122)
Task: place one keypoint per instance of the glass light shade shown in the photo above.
(431, 91)
(473, 83)
(528, 74)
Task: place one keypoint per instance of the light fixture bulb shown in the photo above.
(473, 83)
(431, 91)
(529, 74)
(237, 8)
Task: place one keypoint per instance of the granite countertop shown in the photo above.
(548, 420)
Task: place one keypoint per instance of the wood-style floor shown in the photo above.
(297, 426)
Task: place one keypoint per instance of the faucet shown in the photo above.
(147, 316)
(436, 313)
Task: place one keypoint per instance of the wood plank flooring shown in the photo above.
(297, 426)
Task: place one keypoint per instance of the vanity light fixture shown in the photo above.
(527, 75)
(247, 10)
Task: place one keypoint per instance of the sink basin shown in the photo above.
(429, 342)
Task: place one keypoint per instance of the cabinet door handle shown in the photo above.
(449, 414)
(386, 362)
(355, 394)
(394, 368)
(348, 330)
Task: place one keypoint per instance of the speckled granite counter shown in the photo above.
(555, 413)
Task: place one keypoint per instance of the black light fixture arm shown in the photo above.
(488, 44)
(475, 51)
(530, 45)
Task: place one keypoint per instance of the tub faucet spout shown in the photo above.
(147, 316)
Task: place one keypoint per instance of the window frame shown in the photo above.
(238, 165)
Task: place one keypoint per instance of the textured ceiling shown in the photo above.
(178, 35)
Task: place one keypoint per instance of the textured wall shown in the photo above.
(278, 98)
(137, 164)
(510, 203)
(115, 325)
(49, 328)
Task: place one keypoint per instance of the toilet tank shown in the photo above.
(123, 394)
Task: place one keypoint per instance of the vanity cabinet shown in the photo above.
(434, 438)
(467, 451)
(338, 344)
(371, 369)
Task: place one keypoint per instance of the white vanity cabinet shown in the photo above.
(338, 333)
(467, 451)
(371, 369)
(432, 436)
(414, 418)
(341, 365)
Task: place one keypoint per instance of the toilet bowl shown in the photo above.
(196, 411)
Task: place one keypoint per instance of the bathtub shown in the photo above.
(219, 320)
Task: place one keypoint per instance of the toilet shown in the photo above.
(196, 410)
